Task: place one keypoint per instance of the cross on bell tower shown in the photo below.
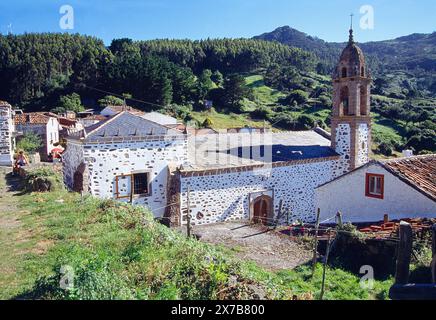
(351, 121)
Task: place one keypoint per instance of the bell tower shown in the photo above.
(351, 121)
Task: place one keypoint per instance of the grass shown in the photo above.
(118, 252)
(262, 93)
(226, 121)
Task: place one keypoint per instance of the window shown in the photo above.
(135, 184)
(344, 72)
(140, 183)
(374, 185)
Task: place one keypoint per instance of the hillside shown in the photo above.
(253, 82)
(112, 251)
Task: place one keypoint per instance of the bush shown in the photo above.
(385, 148)
(29, 143)
(43, 180)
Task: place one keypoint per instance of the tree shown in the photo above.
(29, 143)
(110, 101)
(70, 102)
(218, 78)
(205, 84)
(297, 96)
(235, 89)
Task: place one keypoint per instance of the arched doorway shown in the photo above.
(263, 210)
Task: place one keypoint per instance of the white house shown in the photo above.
(45, 125)
(124, 157)
(402, 188)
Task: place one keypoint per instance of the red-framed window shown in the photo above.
(375, 185)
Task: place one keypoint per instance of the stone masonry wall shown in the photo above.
(363, 138)
(225, 197)
(6, 128)
(343, 147)
(106, 161)
(71, 160)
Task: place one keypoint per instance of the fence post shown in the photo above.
(433, 248)
(315, 246)
(325, 265)
(188, 217)
(339, 219)
(404, 253)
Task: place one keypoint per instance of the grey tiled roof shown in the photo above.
(125, 125)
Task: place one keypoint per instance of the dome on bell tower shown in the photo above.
(351, 62)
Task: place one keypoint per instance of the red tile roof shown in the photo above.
(418, 171)
(32, 118)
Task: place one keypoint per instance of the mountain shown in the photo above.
(415, 53)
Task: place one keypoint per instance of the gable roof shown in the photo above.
(32, 118)
(418, 172)
(124, 125)
(119, 109)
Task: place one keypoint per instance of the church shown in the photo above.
(210, 176)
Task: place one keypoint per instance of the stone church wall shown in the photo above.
(226, 196)
(107, 161)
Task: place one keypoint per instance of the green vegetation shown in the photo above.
(248, 81)
(117, 251)
(42, 180)
(29, 143)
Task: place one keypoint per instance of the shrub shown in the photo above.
(385, 148)
(29, 143)
(43, 180)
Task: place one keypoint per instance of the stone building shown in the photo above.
(220, 176)
(6, 134)
(45, 125)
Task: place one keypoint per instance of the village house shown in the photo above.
(400, 188)
(45, 125)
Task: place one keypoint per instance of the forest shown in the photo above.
(256, 81)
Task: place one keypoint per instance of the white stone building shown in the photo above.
(400, 188)
(6, 134)
(45, 125)
(124, 157)
(238, 174)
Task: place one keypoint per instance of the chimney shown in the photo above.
(407, 153)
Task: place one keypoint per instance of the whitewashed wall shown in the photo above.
(347, 194)
(343, 146)
(106, 161)
(6, 129)
(225, 197)
(363, 138)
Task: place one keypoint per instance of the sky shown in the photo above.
(200, 19)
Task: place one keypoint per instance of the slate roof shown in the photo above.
(418, 171)
(123, 125)
(119, 109)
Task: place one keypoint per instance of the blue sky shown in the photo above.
(196, 19)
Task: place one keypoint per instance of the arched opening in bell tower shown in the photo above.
(363, 101)
(345, 101)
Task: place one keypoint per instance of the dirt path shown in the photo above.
(10, 231)
(266, 248)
